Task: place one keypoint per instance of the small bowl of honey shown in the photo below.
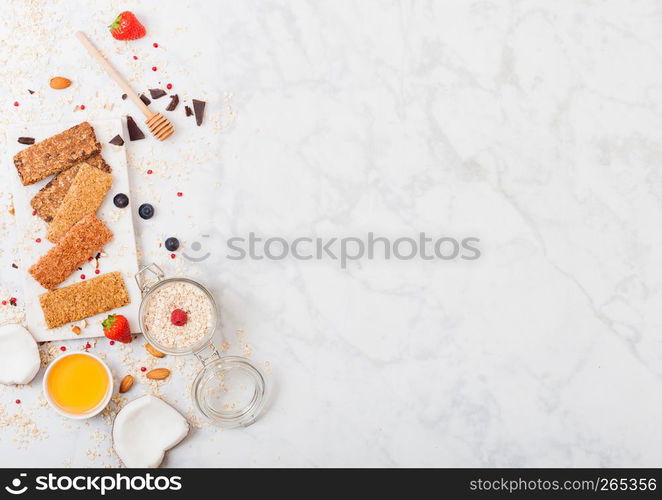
(78, 385)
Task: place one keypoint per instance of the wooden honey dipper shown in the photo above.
(158, 124)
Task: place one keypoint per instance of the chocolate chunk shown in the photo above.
(117, 140)
(124, 96)
(199, 108)
(14, 266)
(26, 140)
(189, 111)
(135, 134)
(156, 93)
(174, 101)
(145, 99)
(31, 91)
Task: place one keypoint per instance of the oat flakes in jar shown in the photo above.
(178, 316)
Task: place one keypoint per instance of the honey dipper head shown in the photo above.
(159, 126)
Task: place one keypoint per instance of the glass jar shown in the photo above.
(228, 390)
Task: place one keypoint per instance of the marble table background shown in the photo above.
(534, 126)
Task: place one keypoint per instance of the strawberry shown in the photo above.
(127, 27)
(116, 327)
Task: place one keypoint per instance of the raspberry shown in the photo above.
(38, 240)
(143, 369)
(150, 172)
(82, 107)
(112, 342)
(178, 317)
(18, 401)
(154, 68)
(180, 194)
(82, 276)
(63, 348)
(135, 58)
(87, 346)
(16, 103)
(172, 256)
(169, 86)
(156, 45)
(97, 271)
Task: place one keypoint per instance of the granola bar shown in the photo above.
(84, 197)
(56, 153)
(86, 237)
(84, 299)
(46, 202)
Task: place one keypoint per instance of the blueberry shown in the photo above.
(121, 200)
(172, 244)
(146, 211)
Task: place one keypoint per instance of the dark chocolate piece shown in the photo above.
(189, 111)
(31, 91)
(174, 101)
(199, 108)
(14, 266)
(135, 134)
(117, 140)
(26, 140)
(124, 96)
(156, 93)
(145, 99)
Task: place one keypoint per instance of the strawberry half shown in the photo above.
(116, 327)
(127, 27)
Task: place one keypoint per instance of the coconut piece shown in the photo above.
(19, 355)
(145, 429)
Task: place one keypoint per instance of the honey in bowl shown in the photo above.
(77, 384)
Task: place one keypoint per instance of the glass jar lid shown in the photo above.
(230, 391)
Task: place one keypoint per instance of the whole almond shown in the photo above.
(60, 82)
(153, 351)
(126, 384)
(158, 374)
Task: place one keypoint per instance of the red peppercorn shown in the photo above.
(150, 172)
(16, 103)
(112, 342)
(155, 45)
(82, 107)
(154, 68)
(38, 240)
(82, 276)
(143, 369)
(97, 271)
(63, 348)
(18, 401)
(169, 86)
(180, 194)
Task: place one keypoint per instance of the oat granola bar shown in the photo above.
(84, 197)
(85, 238)
(84, 299)
(56, 153)
(46, 202)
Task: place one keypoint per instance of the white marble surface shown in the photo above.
(532, 125)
